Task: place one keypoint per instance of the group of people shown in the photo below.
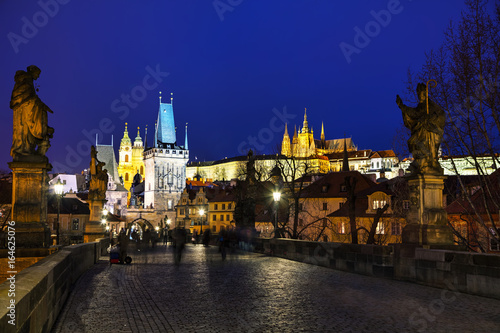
(149, 238)
(227, 239)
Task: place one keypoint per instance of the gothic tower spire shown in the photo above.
(186, 138)
(285, 144)
(305, 128)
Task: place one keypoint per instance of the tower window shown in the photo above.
(126, 158)
(126, 177)
(142, 170)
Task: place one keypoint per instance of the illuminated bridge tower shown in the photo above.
(165, 165)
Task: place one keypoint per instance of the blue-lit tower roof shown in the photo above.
(165, 125)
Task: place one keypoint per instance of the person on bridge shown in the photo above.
(123, 243)
(179, 239)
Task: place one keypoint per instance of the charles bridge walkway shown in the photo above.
(251, 292)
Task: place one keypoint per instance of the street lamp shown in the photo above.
(201, 212)
(58, 188)
(104, 219)
(277, 197)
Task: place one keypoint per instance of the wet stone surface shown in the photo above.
(254, 293)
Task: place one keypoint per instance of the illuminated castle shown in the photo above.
(303, 143)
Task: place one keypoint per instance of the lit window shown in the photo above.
(342, 228)
(76, 224)
(170, 204)
(380, 228)
(378, 204)
(126, 158)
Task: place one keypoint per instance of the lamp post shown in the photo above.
(58, 188)
(201, 212)
(104, 219)
(277, 197)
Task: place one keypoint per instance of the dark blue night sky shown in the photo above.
(229, 63)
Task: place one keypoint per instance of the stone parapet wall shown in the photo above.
(42, 289)
(372, 260)
(472, 273)
(460, 271)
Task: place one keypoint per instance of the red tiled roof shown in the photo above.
(331, 185)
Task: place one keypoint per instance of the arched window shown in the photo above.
(126, 158)
(126, 177)
(142, 170)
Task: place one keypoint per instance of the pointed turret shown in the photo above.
(138, 139)
(322, 132)
(126, 139)
(186, 138)
(305, 125)
(345, 164)
(285, 144)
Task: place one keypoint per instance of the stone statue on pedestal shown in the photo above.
(99, 177)
(427, 222)
(426, 122)
(30, 142)
(31, 132)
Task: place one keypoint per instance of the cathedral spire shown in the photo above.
(285, 144)
(305, 125)
(345, 164)
(322, 132)
(186, 138)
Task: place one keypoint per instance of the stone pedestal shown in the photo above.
(427, 220)
(29, 201)
(94, 229)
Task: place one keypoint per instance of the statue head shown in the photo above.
(34, 71)
(421, 92)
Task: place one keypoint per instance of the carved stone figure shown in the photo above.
(426, 122)
(31, 132)
(99, 177)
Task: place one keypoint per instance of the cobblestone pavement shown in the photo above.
(254, 293)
